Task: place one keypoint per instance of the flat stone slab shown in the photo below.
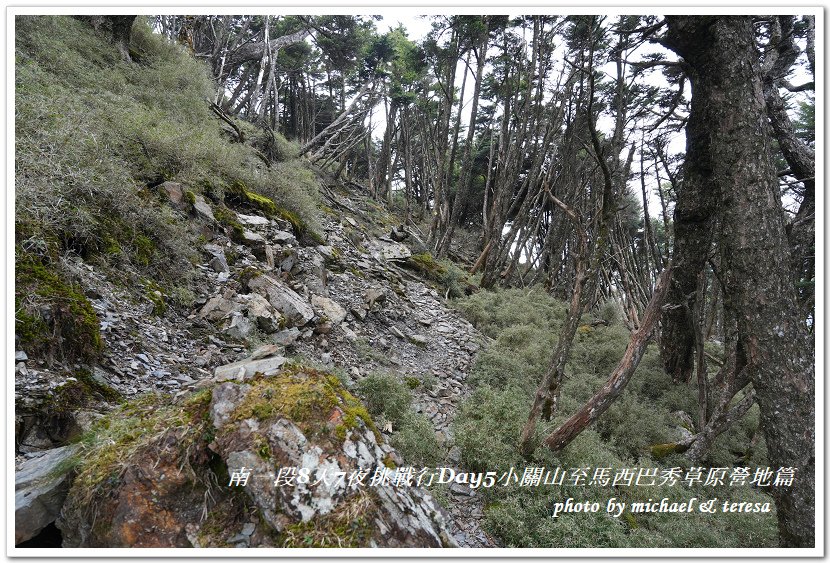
(385, 251)
(245, 369)
(253, 220)
(41, 484)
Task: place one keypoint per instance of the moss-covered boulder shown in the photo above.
(167, 474)
(53, 318)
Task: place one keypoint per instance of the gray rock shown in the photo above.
(399, 234)
(253, 240)
(329, 308)
(87, 419)
(323, 327)
(373, 296)
(240, 540)
(458, 489)
(266, 351)
(401, 516)
(327, 252)
(219, 264)
(219, 307)
(260, 311)
(358, 312)
(387, 250)
(225, 398)
(394, 330)
(318, 279)
(293, 307)
(202, 358)
(253, 220)
(268, 251)
(350, 335)
(239, 328)
(245, 369)
(283, 237)
(201, 207)
(174, 191)
(20, 356)
(41, 484)
(287, 337)
(418, 340)
(289, 260)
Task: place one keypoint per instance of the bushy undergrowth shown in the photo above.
(389, 400)
(95, 134)
(451, 279)
(525, 327)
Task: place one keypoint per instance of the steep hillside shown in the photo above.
(154, 250)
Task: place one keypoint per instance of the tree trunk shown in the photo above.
(729, 154)
(255, 50)
(118, 28)
(461, 196)
(621, 375)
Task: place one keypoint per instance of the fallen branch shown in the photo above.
(223, 115)
(338, 121)
(621, 375)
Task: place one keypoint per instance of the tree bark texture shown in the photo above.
(729, 156)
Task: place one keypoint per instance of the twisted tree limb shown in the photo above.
(621, 375)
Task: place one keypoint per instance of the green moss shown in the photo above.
(231, 256)
(240, 193)
(263, 449)
(79, 391)
(137, 424)
(111, 245)
(307, 397)
(412, 382)
(70, 325)
(154, 293)
(247, 274)
(144, 249)
(264, 204)
(447, 275)
(425, 264)
(300, 227)
(389, 462)
(228, 218)
(98, 388)
(190, 197)
(31, 329)
(354, 412)
(630, 520)
(660, 451)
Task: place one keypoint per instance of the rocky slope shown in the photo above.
(279, 309)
